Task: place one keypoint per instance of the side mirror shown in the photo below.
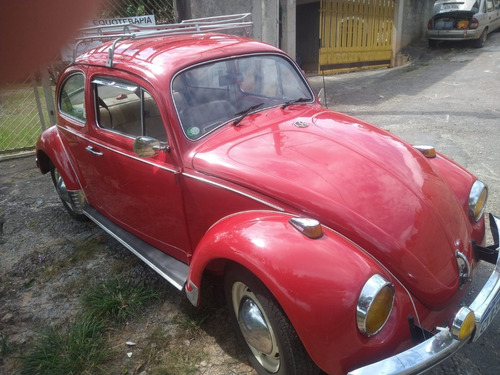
(147, 147)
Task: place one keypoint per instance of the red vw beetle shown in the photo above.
(343, 249)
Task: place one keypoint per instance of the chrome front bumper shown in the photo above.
(439, 347)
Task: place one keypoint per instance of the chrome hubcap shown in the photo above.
(61, 187)
(255, 327)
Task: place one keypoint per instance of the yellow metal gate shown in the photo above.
(355, 34)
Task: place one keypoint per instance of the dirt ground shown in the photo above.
(446, 97)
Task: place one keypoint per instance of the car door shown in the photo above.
(495, 15)
(490, 15)
(142, 195)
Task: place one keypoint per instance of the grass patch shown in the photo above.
(5, 346)
(80, 350)
(117, 299)
(192, 320)
(178, 363)
(19, 119)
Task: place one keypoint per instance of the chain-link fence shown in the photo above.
(26, 108)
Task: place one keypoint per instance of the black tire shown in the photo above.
(285, 353)
(433, 43)
(481, 41)
(59, 184)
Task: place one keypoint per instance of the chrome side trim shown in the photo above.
(192, 294)
(171, 269)
(269, 204)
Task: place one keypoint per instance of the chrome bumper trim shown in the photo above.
(439, 347)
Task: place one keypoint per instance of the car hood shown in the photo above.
(356, 179)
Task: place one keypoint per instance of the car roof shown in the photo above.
(162, 57)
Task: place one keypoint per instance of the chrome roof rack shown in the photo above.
(91, 35)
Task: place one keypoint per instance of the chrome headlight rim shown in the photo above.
(478, 196)
(371, 290)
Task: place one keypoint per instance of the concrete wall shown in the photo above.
(265, 14)
(416, 14)
(209, 8)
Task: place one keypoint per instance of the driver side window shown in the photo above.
(128, 109)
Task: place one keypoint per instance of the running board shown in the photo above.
(173, 270)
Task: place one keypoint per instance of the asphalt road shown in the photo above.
(448, 98)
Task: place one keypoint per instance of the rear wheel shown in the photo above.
(63, 193)
(272, 343)
(479, 43)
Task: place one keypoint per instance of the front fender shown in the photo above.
(316, 281)
(50, 148)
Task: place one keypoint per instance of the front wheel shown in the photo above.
(272, 343)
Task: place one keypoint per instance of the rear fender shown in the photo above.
(317, 282)
(51, 149)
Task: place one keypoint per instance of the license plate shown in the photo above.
(450, 6)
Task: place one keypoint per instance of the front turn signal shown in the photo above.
(463, 324)
(308, 227)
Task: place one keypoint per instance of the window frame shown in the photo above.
(134, 89)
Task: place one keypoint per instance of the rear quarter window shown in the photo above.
(72, 97)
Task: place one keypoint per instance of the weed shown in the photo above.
(177, 362)
(5, 346)
(157, 345)
(410, 69)
(117, 299)
(80, 350)
(193, 319)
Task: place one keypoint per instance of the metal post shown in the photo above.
(49, 99)
(37, 99)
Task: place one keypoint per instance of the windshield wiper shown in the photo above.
(242, 114)
(294, 101)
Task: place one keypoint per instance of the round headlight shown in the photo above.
(374, 305)
(477, 200)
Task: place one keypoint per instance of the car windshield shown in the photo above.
(210, 95)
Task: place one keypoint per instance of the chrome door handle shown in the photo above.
(91, 150)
